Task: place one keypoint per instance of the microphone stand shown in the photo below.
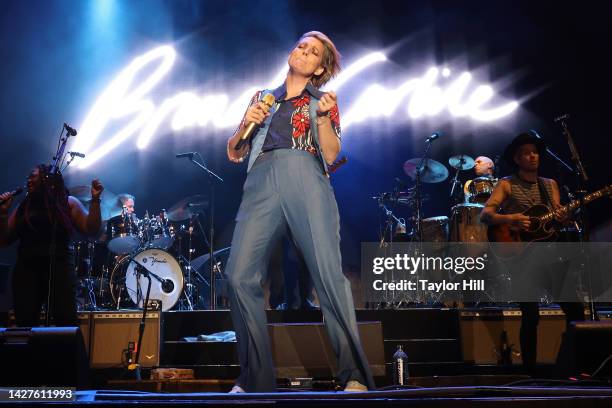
(581, 179)
(134, 368)
(212, 177)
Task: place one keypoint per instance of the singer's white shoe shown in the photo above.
(236, 389)
(355, 386)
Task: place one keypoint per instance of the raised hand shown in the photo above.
(96, 188)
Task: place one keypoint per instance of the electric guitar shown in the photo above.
(543, 225)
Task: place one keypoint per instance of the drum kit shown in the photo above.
(109, 268)
(462, 224)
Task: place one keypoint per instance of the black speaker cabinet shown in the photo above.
(589, 343)
(43, 356)
(304, 350)
(111, 335)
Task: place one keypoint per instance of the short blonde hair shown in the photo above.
(330, 60)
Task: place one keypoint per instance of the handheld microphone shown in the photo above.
(13, 193)
(77, 154)
(71, 131)
(433, 137)
(187, 154)
(268, 100)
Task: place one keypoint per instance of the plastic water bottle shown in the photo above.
(400, 367)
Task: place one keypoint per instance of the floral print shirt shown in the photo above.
(290, 126)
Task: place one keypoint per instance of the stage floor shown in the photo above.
(520, 396)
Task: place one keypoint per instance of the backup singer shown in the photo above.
(44, 223)
(287, 187)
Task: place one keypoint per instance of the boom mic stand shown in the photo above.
(134, 367)
(212, 178)
(581, 179)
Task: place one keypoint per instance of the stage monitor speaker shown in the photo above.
(304, 349)
(43, 356)
(589, 345)
(112, 333)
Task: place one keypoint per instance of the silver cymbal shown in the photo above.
(432, 171)
(187, 208)
(109, 202)
(461, 162)
(221, 254)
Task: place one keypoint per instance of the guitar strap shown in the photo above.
(544, 193)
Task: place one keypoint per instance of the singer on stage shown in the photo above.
(43, 223)
(287, 186)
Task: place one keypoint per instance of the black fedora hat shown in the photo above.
(529, 137)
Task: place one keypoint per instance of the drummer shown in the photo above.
(127, 203)
(484, 169)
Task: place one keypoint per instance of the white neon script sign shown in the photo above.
(126, 99)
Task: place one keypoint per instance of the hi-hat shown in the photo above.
(461, 162)
(431, 172)
(220, 255)
(187, 208)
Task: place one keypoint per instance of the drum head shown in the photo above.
(166, 278)
(124, 244)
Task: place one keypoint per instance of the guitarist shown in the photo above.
(512, 196)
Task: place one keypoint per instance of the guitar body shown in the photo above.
(542, 227)
(537, 231)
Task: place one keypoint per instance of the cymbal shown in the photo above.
(187, 208)
(431, 172)
(221, 254)
(461, 162)
(109, 202)
(81, 193)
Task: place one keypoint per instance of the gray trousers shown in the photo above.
(287, 189)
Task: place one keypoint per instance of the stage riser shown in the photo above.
(420, 323)
(182, 353)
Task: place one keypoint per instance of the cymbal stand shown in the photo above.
(212, 178)
(456, 179)
(418, 219)
(386, 238)
(188, 292)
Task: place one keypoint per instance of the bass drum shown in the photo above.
(129, 286)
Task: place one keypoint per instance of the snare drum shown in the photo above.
(480, 189)
(123, 233)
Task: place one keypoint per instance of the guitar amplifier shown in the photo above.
(113, 334)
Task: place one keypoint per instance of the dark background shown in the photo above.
(58, 56)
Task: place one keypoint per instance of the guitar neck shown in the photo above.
(572, 205)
